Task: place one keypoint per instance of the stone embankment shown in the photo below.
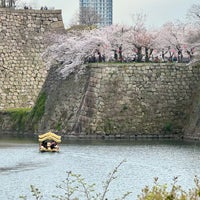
(123, 100)
(21, 43)
(118, 101)
(106, 100)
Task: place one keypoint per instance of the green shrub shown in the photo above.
(39, 108)
(75, 185)
(175, 192)
(124, 107)
(59, 126)
(168, 128)
(26, 117)
(108, 126)
(19, 117)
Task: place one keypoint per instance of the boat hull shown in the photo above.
(49, 150)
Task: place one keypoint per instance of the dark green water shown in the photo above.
(22, 165)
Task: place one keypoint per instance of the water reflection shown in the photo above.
(22, 165)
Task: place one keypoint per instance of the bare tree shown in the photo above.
(194, 37)
(3, 3)
(193, 40)
(194, 13)
(89, 16)
(11, 3)
(7, 3)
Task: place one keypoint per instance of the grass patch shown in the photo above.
(108, 126)
(124, 107)
(19, 117)
(38, 110)
(59, 126)
(27, 118)
(168, 128)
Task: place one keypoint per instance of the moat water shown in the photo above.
(22, 165)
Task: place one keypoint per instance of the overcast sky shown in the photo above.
(158, 12)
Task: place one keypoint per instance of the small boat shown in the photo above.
(48, 142)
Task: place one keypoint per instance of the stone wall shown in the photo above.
(122, 99)
(105, 99)
(22, 71)
(139, 98)
(192, 126)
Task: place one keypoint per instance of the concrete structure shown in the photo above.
(103, 8)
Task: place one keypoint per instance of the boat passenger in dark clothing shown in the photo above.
(44, 144)
(53, 145)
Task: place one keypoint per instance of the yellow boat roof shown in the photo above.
(49, 136)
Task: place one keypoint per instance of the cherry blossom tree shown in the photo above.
(71, 51)
(173, 42)
(140, 40)
(116, 37)
(193, 40)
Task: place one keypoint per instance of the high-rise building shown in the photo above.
(97, 12)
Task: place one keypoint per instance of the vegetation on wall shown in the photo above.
(59, 126)
(108, 126)
(23, 118)
(38, 110)
(19, 117)
(168, 128)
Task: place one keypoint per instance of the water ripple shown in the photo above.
(20, 167)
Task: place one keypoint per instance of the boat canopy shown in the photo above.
(49, 136)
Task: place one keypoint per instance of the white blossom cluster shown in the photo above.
(72, 49)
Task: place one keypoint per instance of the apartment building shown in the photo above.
(99, 12)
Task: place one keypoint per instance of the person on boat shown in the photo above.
(44, 144)
(53, 145)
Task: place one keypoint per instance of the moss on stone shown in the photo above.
(168, 127)
(38, 110)
(26, 118)
(18, 117)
